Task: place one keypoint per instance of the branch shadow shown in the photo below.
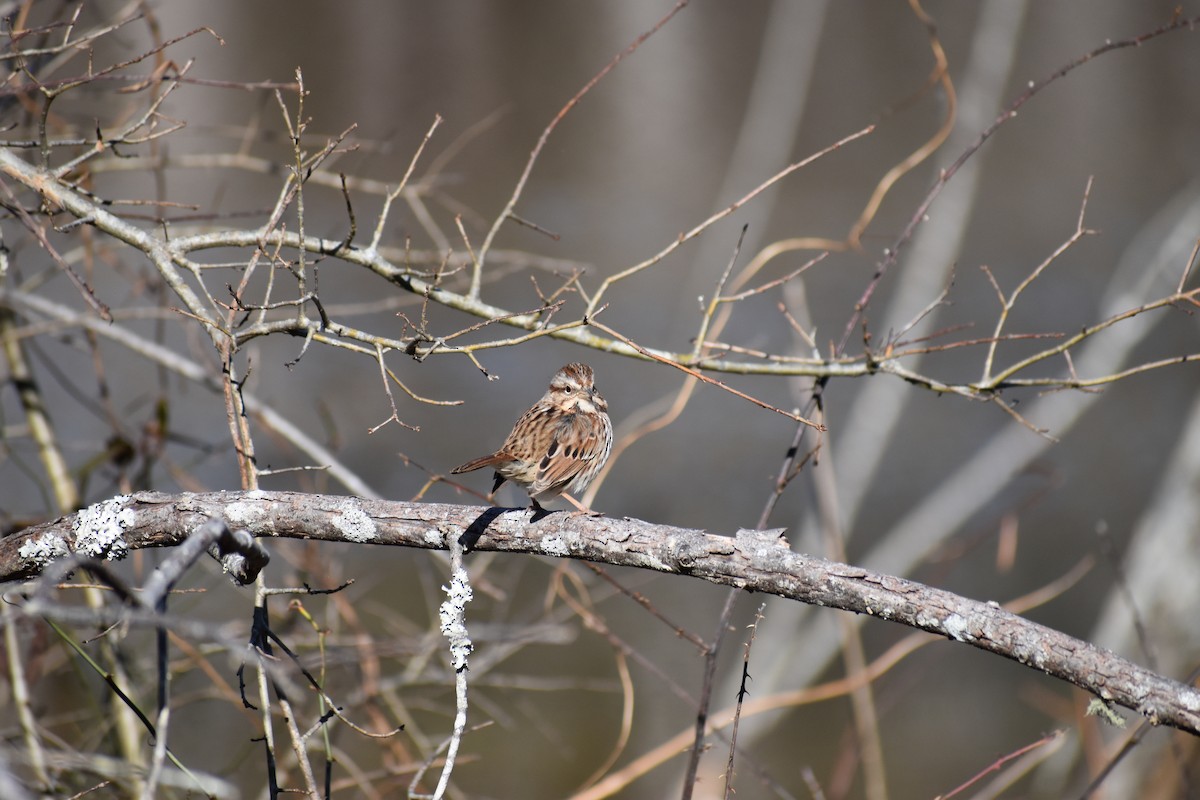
(476, 529)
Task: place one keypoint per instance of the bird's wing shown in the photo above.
(569, 452)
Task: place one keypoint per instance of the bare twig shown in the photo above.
(1008, 302)
(743, 691)
(519, 188)
(1035, 87)
(392, 195)
(703, 377)
(706, 224)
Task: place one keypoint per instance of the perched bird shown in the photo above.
(559, 444)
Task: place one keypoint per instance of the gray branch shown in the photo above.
(756, 561)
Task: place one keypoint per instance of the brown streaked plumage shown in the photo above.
(559, 444)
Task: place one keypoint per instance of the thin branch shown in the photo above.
(505, 213)
(1187, 270)
(715, 302)
(695, 374)
(743, 691)
(392, 195)
(708, 683)
(920, 214)
(939, 75)
(1052, 738)
(1007, 303)
(706, 224)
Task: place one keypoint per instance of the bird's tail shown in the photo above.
(494, 460)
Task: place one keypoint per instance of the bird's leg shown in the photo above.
(582, 509)
(536, 507)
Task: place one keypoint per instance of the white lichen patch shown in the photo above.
(554, 546)
(245, 514)
(956, 628)
(653, 562)
(353, 522)
(100, 529)
(452, 614)
(1190, 700)
(43, 549)
(433, 537)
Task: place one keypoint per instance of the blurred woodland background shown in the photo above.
(1085, 494)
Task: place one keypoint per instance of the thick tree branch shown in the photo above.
(753, 560)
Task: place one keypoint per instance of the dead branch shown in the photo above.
(757, 561)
